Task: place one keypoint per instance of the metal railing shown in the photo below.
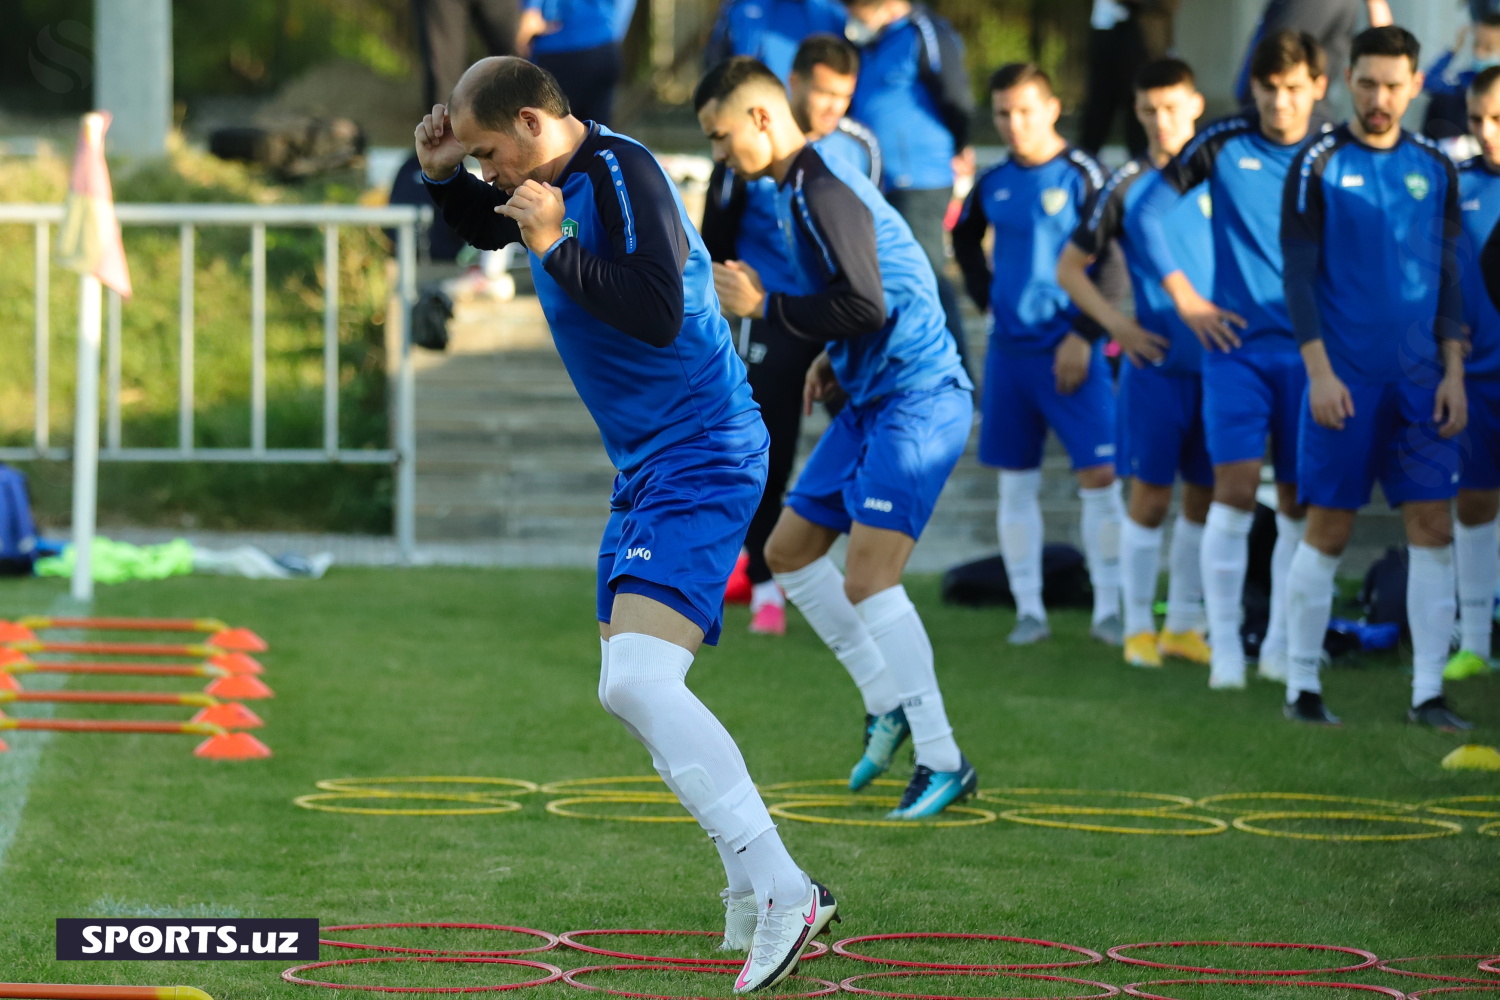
(188, 217)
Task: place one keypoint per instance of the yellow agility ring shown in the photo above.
(609, 786)
(512, 787)
(1030, 797)
(560, 807)
(1441, 806)
(787, 810)
(1443, 827)
(1037, 816)
(791, 789)
(478, 806)
(1490, 829)
(1211, 803)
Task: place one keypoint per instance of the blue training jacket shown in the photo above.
(1479, 190)
(771, 30)
(584, 24)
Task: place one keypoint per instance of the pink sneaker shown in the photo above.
(769, 620)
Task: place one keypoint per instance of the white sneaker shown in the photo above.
(1272, 667)
(740, 913)
(1226, 672)
(780, 935)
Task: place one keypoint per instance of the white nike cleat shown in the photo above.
(740, 913)
(1271, 667)
(780, 936)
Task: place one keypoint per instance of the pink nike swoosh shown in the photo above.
(812, 914)
(741, 981)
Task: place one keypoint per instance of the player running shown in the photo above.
(1041, 369)
(1370, 233)
(625, 284)
(864, 288)
(1253, 380)
(1161, 385)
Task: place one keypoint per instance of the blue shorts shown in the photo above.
(1390, 439)
(1480, 442)
(1249, 396)
(1161, 428)
(676, 525)
(884, 465)
(1021, 401)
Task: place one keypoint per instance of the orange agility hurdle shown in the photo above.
(63, 991)
(229, 714)
(220, 745)
(117, 648)
(220, 635)
(221, 665)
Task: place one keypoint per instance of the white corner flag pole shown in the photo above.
(86, 437)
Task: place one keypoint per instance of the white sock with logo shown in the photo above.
(896, 626)
(1309, 602)
(1021, 534)
(1141, 563)
(1185, 577)
(817, 590)
(1431, 606)
(1103, 516)
(1288, 536)
(1226, 558)
(1476, 554)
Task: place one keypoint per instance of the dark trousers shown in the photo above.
(443, 28)
(588, 78)
(1115, 57)
(924, 210)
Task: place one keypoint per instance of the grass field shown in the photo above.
(447, 672)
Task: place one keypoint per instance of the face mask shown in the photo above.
(1482, 64)
(858, 32)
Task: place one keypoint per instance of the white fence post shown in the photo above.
(86, 437)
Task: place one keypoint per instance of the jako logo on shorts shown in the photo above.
(638, 553)
(884, 506)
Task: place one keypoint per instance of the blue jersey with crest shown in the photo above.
(771, 30)
(1479, 190)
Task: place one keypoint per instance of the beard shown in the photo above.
(1378, 128)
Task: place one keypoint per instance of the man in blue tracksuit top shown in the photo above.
(625, 284)
(1252, 377)
(1370, 230)
(770, 30)
(747, 222)
(1043, 368)
(578, 42)
(1160, 431)
(1476, 549)
(864, 289)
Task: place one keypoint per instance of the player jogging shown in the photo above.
(866, 290)
(1370, 233)
(625, 284)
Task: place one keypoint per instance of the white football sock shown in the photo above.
(1431, 606)
(734, 867)
(894, 623)
(1476, 554)
(1021, 536)
(1225, 559)
(762, 594)
(817, 590)
(1140, 563)
(1185, 577)
(1309, 602)
(1288, 537)
(1103, 515)
(773, 875)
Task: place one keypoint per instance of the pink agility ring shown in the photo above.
(553, 975)
(1134, 989)
(1490, 965)
(1457, 989)
(550, 939)
(817, 950)
(848, 985)
(1367, 958)
(570, 977)
(1386, 966)
(1090, 957)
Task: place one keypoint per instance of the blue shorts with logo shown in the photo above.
(1480, 441)
(1161, 428)
(1021, 401)
(677, 523)
(1249, 396)
(884, 464)
(1391, 439)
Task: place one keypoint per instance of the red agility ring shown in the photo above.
(1091, 957)
(1457, 989)
(817, 950)
(550, 939)
(1368, 958)
(824, 986)
(848, 985)
(553, 975)
(1134, 989)
(1490, 965)
(1385, 966)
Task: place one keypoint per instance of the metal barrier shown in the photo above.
(187, 217)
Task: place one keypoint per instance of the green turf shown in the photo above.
(454, 672)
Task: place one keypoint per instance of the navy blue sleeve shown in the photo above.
(1489, 265)
(1450, 317)
(947, 78)
(1104, 217)
(968, 247)
(723, 207)
(467, 205)
(639, 291)
(1302, 237)
(843, 230)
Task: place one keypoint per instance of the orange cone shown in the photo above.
(237, 663)
(8, 682)
(239, 686)
(230, 715)
(239, 639)
(232, 746)
(10, 657)
(4, 746)
(11, 632)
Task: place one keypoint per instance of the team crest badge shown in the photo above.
(1054, 200)
(1418, 186)
(1206, 205)
(570, 228)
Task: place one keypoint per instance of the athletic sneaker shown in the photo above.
(769, 620)
(1309, 707)
(1271, 667)
(1029, 629)
(1109, 630)
(780, 936)
(1435, 712)
(740, 913)
(1190, 646)
(930, 792)
(1226, 678)
(883, 735)
(1465, 664)
(1141, 650)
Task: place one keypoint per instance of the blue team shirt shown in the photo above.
(1479, 201)
(771, 30)
(1380, 228)
(582, 24)
(1116, 217)
(1033, 211)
